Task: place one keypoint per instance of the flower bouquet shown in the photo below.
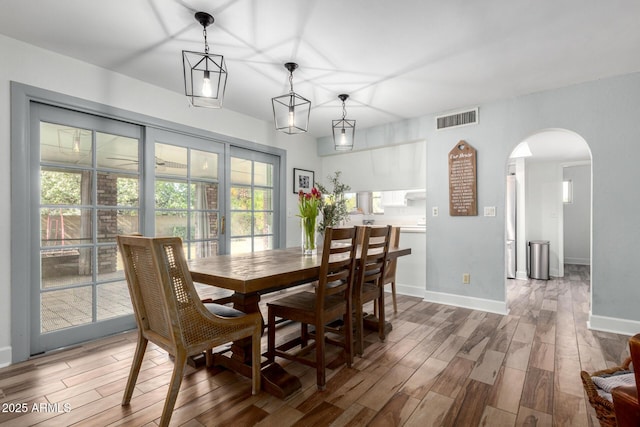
(308, 205)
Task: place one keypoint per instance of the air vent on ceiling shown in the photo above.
(462, 118)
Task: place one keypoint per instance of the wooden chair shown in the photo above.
(369, 285)
(170, 314)
(331, 301)
(390, 270)
(625, 399)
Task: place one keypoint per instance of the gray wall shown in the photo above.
(577, 216)
(605, 114)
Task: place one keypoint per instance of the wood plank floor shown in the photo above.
(440, 365)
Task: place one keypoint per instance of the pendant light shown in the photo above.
(205, 74)
(344, 130)
(291, 111)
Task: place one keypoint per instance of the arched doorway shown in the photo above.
(543, 171)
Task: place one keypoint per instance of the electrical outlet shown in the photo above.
(434, 211)
(466, 278)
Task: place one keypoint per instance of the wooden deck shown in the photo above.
(441, 365)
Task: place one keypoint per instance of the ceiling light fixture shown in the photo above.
(344, 130)
(291, 111)
(205, 74)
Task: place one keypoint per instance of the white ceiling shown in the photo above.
(397, 60)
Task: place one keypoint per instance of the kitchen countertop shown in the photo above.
(413, 228)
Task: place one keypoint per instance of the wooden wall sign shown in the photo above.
(462, 180)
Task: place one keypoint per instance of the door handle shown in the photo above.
(223, 224)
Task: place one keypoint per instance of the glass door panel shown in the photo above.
(89, 192)
(187, 191)
(253, 187)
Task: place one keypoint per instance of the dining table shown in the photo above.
(250, 275)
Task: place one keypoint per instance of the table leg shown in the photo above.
(275, 380)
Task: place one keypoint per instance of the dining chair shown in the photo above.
(626, 398)
(390, 270)
(369, 284)
(170, 314)
(330, 302)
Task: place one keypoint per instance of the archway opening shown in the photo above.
(548, 199)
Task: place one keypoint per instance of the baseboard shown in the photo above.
(491, 306)
(5, 356)
(411, 291)
(613, 324)
(579, 261)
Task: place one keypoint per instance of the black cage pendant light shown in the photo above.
(291, 111)
(205, 74)
(343, 130)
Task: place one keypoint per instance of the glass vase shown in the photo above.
(309, 244)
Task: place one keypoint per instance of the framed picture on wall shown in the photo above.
(302, 180)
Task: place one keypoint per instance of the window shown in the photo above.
(567, 191)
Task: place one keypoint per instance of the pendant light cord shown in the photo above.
(206, 45)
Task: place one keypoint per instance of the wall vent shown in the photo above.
(462, 118)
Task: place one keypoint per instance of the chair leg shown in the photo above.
(348, 335)
(271, 336)
(255, 362)
(359, 339)
(393, 296)
(141, 347)
(174, 386)
(320, 357)
(381, 319)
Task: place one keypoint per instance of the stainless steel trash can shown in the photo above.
(539, 259)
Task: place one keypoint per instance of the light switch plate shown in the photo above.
(489, 211)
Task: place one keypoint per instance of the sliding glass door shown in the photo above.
(89, 191)
(92, 178)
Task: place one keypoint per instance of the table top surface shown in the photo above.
(264, 271)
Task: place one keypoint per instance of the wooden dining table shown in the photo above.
(250, 275)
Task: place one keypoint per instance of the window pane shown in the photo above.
(204, 225)
(61, 187)
(263, 223)
(65, 308)
(263, 199)
(63, 227)
(109, 265)
(263, 174)
(65, 267)
(567, 191)
(204, 165)
(65, 145)
(241, 245)
(204, 195)
(171, 224)
(117, 152)
(171, 194)
(240, 171)
(112, 222)
(203, 249)
(240, 223)
(262, 243)
(113, 300)
(241, 198)
(171, 160)
(118, 190)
